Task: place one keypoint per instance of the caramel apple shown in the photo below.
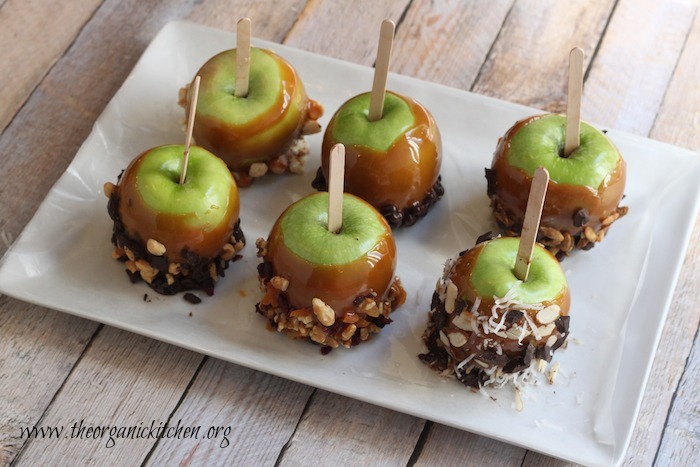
(393, 163)
(584, 192)
(261, 131)
(487, 327)
(175, 236)
(334, 288)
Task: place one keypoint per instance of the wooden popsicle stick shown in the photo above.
(194, 91)
(242, 57)
(336, 181)
(531, 224)
(573, 101)
(381, 70)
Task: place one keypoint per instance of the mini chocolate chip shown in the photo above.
(588, 246)
(490, 181)
(559, 342)
(159, 262)
(326, 349)
(562, 324)
(560, 256)
(192, 298)
(543, 353)
(434, 303)
(512, 316)
(581, 217)
(319, 183)
(460, 305)
(484, 237)
(514, 365)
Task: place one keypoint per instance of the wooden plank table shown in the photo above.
(62, 62)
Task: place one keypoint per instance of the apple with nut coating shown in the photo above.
(333, 288)
(175, 236)
(585, 187)
(486, 325)
(263, 130)
(392, 163)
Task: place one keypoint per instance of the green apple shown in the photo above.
(493, 273)
(392, 163)
(585, 187)
(254, 128)
(198, 215)
(540, 143)
(353, 127)
(335, 267)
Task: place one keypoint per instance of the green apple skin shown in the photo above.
(541, 142)
(487, 271)
(335, 267)
(592, 177)
(254, 128)
(199, 215)
(353, 127)
(393, 161)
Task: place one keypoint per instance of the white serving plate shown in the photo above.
(62, 261)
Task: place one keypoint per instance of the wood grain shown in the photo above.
(628, 79)
(449, 446)
(448, 41)
(122, 380)
(678, 122)
(344, 29)
(528, 61)
(25, 58)
(39, 348)
(261, 410)
(348, 432)
(59, 115)
(681, 441)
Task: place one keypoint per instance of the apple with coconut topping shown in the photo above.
(175, 236)
(489, 328)
(333, 288)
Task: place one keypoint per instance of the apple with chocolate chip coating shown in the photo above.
(176, 236)
(392, 163)
(585, 187)
(266, 126)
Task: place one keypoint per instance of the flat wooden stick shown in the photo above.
(242, 57)
(381, 70)
(573, 102)
(194, 90)
(531, 224)
(336, 180)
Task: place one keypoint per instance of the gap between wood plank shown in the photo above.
(418, 449)
(291, 437)
(477, 77)
(673, 398)
(183, 396)
(656, 117)
(594, 54)
(88, 346)
(49, 69)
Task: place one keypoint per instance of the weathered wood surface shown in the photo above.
(52, 366)
(26, 58)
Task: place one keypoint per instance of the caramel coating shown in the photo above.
(401, 176)
(460, 274)
(142, 222)
(512, 186)
(337, 285)
(265, 137)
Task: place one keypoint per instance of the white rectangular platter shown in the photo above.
(621, 290)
